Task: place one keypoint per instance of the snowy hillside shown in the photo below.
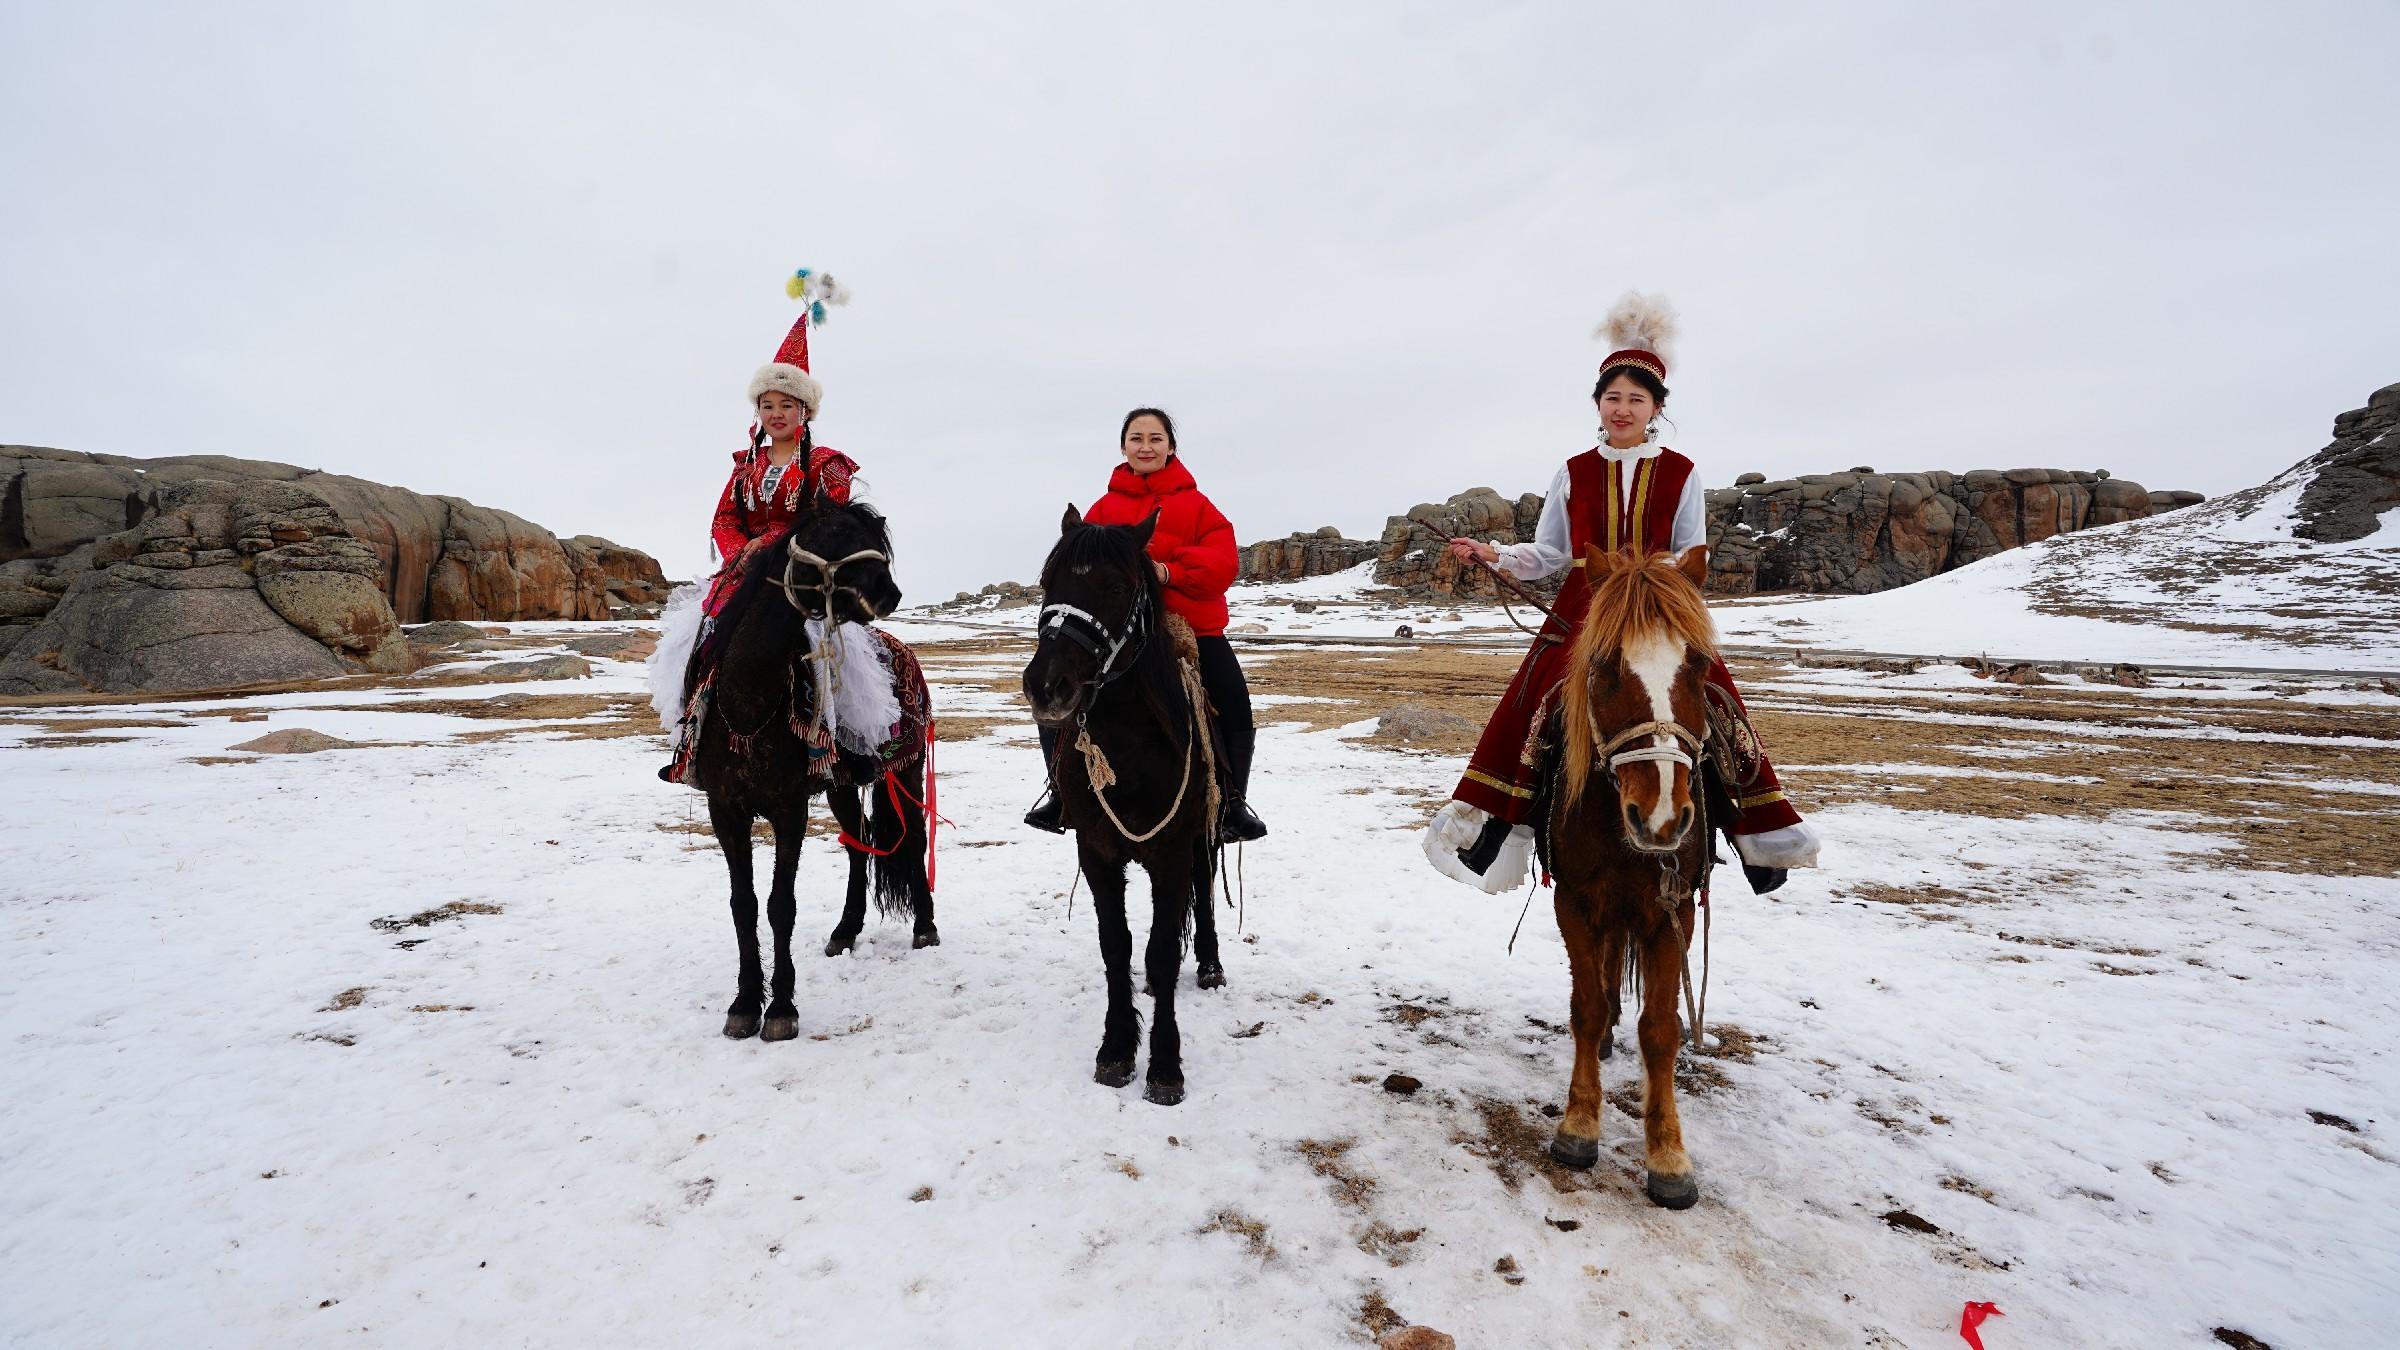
(2223, 582)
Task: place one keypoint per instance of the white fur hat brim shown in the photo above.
(790, 380)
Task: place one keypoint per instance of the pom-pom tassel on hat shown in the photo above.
(789, 371)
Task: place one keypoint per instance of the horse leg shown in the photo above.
(1577, 1142)
(731, 823)
(1669, 1184)
(847, 813)
(1113, 1066)
(1162, 961)
(783, 1020)
(1209, 970)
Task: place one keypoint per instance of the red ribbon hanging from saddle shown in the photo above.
(897, 794)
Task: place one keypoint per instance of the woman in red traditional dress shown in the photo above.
(1195, 555)
(782, 472)
(1627, 494)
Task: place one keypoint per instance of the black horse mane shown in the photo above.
(1114, 548)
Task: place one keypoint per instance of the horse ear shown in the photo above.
(1594, 563)
(1693, 563)
(1072, 519)
(1148, 527)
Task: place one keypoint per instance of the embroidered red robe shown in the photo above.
(1607, 510)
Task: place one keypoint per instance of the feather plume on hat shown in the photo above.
(1640, 329)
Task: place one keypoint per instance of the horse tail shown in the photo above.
(896, 832)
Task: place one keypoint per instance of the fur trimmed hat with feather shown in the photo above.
(1641, 328)
(788, 373)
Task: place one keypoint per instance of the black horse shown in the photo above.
(1103, 668)
(754, 764)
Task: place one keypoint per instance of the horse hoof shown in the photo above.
(1164, 1094)
(837, 944)
(1570, 1151)
(1113, 1073)
(1212, 975)
(928, 938)
(741, 1026)
(780, 1029)
(1668, 1192)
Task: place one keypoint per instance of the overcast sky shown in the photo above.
(530, 254)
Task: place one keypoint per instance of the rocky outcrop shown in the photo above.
(437, 557)
(2357, 478)
(1316, 553)
(1862, 531)
(1851, 532)
(636, 583)
(221, 584)
(997, 596)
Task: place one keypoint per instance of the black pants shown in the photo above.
(1229, 694)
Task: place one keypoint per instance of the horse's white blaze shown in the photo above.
(1653, 662)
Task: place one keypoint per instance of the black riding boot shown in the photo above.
(1229, 694)
(1480, 855)
(1046, 813)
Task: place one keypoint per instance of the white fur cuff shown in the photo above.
(1791, 846)
(1507, 871)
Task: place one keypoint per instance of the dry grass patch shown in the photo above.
(346, 1000)
(1253, 1234)
(62, 742)
(1326, 1158)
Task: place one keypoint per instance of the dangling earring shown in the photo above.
(1650, 433)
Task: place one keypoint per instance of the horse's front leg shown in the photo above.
(1209, 970)
(1670, 1182)
(791, 826)
(851, 817)
(731, 822)
(1113, 1066)
(1577, 1142)
(1162, 962)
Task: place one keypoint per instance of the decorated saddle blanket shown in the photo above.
(880, 709)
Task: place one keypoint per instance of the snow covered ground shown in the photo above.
(417, 1044)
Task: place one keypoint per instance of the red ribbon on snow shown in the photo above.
(1973, 1318)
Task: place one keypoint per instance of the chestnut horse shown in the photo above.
(1625, 836)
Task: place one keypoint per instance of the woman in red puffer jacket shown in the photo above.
(1194, 552)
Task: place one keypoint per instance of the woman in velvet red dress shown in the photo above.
(1196, 558)
(781, 473)
(1627, 494)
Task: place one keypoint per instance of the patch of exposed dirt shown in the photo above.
(456, 909)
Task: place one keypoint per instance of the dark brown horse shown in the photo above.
(1626, 839)
(1104, 674)
(754, 761)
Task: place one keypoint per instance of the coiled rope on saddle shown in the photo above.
(1103, 775)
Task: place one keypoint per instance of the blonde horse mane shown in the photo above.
(1632, 598)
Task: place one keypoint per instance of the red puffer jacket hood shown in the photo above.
(1194, 539)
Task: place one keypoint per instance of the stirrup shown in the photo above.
(1238, 824)
(1047, 814)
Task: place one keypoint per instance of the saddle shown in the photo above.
(909, 736)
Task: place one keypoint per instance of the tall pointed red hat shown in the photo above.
(788, 373)
(1640, 328)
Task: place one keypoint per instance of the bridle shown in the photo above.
(1085, 630)
(1671, 753)
(827, 586)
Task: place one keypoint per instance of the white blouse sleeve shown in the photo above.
(1550, 547)
(1691, 516)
